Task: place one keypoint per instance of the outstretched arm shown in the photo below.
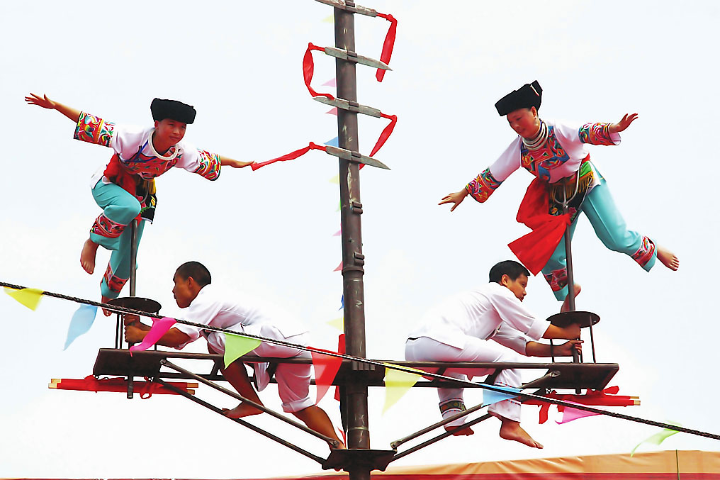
(624, 123)
(45, 102)
(454, 198)
(537, 349)
(225, 161)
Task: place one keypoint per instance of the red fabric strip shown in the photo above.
(388, 45)
(289, 156)
(535, 248)
(309, 70)
(385, 133)
(341, 349)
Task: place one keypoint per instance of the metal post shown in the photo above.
(569, 265)
(133, 255)
(358, 435)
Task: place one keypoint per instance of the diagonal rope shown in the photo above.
(434, 376)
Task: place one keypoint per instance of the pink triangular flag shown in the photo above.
(330, 83)
(570, 414)
(332, 111)
(159, 328)
(338, 233)
(326, 367)
(339, 268)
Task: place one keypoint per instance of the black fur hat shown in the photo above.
(527, 96)
(163, 108)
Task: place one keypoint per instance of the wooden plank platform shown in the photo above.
(595, 376)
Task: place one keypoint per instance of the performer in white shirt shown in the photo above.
(458, 328)
(125, 188)
(204, 305)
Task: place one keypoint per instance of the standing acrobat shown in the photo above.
(458, 330)
(125, 188)
(192, 291)
(557, 156)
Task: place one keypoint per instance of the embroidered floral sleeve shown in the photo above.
(483, 186)
(209, 165)
(598, 134)
(94, 129)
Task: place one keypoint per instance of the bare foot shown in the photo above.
(668, 258)
(105, 299)
(460, 431)
(87, 256)
(242, 410)
(511, 430)
(566, 304)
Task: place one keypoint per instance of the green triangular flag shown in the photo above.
(237, 346)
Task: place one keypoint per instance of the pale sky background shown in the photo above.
(270, 232)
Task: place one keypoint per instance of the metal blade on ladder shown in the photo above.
(354, 9)
(350, 106)
(354, 157)
(354, 57)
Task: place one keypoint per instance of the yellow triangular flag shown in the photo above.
(337, 323)
(330, 19)
(397, 383)
(30, 297)
(335, 179)
(237, 346)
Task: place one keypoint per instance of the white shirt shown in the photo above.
(489, 310)
(239, 313)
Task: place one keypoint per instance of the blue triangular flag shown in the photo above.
(491, 396)
(342, 302)
(81, 322)
(333, 142)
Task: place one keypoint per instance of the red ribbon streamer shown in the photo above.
(385, 133)
(290, 156)
(388, 45)
(309, 69)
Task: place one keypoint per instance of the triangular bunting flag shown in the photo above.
(326, 367)
(29, 297)
(336, 180)
(397, 383)
(570, 414)
(338, 268)
(237, 346)
(333, 142)
(491, 396)
(330, 83)
(338, 233)
(80, 323)
(658, 438)
(158, 329)
(332, 111)
(337, 323)
(330, 19)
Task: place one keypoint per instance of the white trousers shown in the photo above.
(475, 350)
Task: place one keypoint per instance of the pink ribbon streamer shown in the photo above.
(160, 327)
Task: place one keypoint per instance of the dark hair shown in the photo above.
(196, 270)
(511, 268)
